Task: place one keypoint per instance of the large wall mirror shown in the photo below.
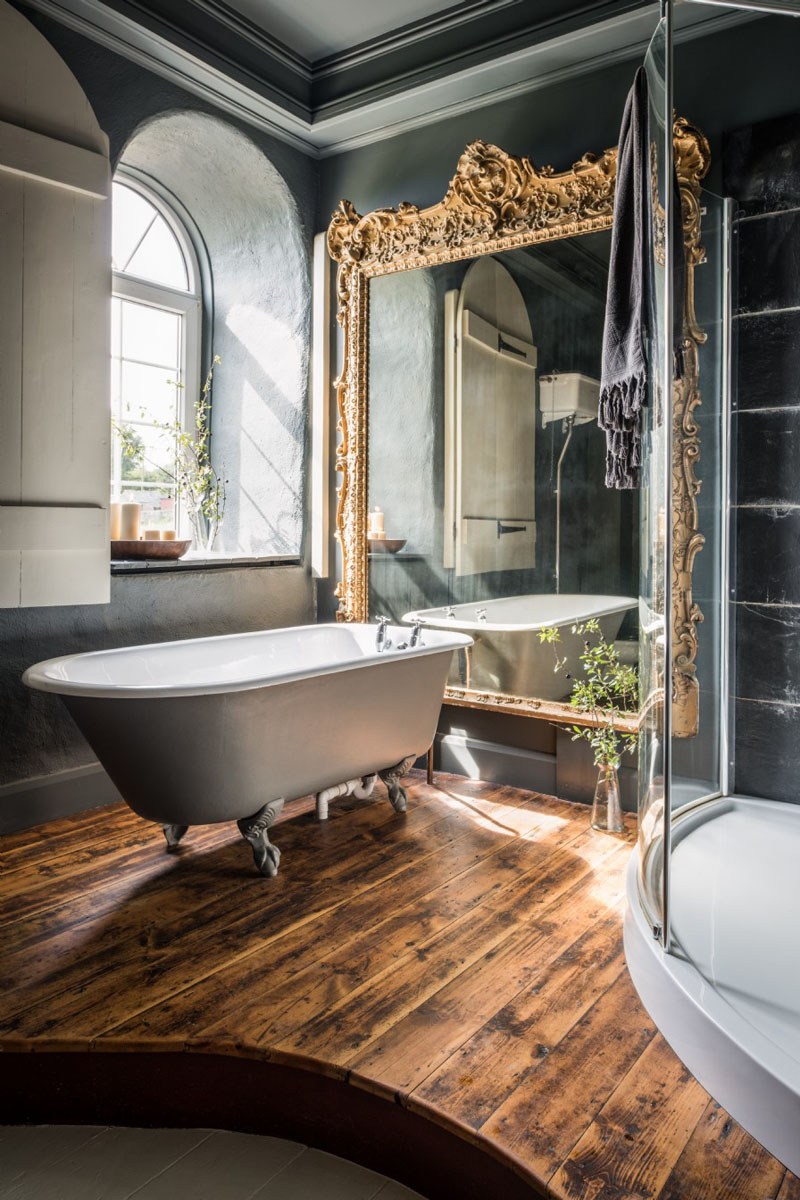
(473, 489)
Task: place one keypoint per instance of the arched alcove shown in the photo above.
(246, 216)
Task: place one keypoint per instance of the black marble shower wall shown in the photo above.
(762, 172)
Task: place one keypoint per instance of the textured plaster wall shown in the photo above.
(259, 257)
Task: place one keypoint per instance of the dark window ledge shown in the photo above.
(216, 562)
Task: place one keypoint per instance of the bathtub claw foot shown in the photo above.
(391, 777)
(173, 834)
(254, 829)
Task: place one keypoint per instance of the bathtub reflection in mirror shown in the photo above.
(486, 462)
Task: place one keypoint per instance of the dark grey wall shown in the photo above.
(37, 737)
(762, 170)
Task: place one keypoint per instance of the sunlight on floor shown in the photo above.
(508, 818)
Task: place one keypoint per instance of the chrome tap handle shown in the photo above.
(450, 612)
(480, 613)
(416, 638)
(382, 642)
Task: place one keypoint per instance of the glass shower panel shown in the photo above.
(655, 532)
(699, 763)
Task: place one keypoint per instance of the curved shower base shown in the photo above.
(727, 998)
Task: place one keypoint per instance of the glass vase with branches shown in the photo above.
(607, 691)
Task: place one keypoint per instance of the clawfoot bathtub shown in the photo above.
(228, 728)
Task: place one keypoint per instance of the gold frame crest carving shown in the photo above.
(496, 202)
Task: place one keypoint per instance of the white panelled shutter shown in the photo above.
(55, 287)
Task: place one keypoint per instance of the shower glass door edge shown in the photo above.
(655, 653)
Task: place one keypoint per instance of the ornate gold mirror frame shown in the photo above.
(496, 202)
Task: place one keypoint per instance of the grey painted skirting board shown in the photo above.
(495, 763)
(46, 797)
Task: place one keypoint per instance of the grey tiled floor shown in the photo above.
(73, 1162)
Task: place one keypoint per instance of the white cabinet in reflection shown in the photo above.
(490, 424)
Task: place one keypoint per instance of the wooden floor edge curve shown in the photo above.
(173, 1088)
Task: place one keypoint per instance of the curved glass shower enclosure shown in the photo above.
(712, 931)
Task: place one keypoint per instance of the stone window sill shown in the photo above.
(200, 562)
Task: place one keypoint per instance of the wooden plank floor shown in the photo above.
(465, 959)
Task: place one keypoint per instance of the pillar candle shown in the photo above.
(376, 526)
(152, 535)
(115, 516)
(168, 535)
(129, 522)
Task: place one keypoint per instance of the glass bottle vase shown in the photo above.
(607, 807)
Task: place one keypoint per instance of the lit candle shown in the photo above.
(115, 516)
(129, 522)
(152, 535)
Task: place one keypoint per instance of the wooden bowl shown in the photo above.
(150, 548)
(386, 545)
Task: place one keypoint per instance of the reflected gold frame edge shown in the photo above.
(496, 202)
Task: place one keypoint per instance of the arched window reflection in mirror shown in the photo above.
(155, 350)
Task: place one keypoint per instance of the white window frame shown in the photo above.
(187, 305)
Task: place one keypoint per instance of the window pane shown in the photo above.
(158, 505)
(131, 214)
(159, 258)
(147, 394)
(150, 334)
(153, 460)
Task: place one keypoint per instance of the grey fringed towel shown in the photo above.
(629, 304)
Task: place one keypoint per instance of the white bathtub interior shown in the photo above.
(523, 614)
(233, 662)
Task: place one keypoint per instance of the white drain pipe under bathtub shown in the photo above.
(360, 788)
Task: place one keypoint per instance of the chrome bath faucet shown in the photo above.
(382, 639)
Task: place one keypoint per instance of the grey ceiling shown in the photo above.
(318, 28)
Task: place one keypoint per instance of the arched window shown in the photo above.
(155, 350)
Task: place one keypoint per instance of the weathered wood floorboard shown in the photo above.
(465, 959)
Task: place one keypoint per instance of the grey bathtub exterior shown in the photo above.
(237, 755)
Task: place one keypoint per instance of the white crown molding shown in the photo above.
(524, 71)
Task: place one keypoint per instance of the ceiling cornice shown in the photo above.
(258, 37)
(270, 97)
(444, 21)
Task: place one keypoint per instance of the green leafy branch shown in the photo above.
(608, 690)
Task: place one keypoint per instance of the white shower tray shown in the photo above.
(727, 998)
